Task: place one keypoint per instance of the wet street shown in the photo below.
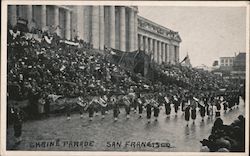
(167, 134)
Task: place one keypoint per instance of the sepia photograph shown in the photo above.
(88, 76)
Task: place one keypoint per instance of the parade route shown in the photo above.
(167, 134)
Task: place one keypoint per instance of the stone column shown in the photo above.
(136, 31)
(56, 19)
(145, 41)
(166, 61)
(95, 27)
(177, 53)
(131, 30)
(163, 52)
(160, 53)
(29, 16)
(21, 10)
(112, 26)
(67, 26)
(122, 29)
(155, 51)
(168, 53)
(101, 27)
(141, 45)
(12, 15)
(150, 49)
(171, 52)
(87, 14)
(43, 17)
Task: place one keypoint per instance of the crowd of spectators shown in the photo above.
(42, 64)
(225, 138)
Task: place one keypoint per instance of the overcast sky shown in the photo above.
(207, 33)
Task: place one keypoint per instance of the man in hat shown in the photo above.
(187, 113)
(176, 104)
(103, 105)
(140, 100)
(148, 109)
(91, 108)
(115, 104)
(156, 109)
(167, 105)
(127, 104)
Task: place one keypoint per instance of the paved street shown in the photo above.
(128, 135)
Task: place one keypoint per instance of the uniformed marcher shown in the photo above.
(91, 108)
(103, 105)
(176, 105)
(127, 104)
(187, 114)
(115, 105)
(140, 101)
(167, 106)
(148, 109)
(156, 109)
(218, 107)
(193, 113)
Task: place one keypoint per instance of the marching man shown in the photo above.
(127, 103)
(115, 105)
(91, 108)
(156, 109)
(103, 105)
(140, 105)
(148, 109)
(187, 112)
(167, 106)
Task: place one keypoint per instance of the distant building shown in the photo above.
(233, 67)
(226, 63)
(239, 66)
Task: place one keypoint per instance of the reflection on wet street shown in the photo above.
(167, 134)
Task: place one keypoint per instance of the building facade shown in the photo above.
(118, 27)
(226, 62)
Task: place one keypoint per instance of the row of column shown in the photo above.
(104, 27)
(160, 51)
(99, 26)
(26, 12)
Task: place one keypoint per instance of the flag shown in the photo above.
(185, 58)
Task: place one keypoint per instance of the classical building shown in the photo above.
(118, 27)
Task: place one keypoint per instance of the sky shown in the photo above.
(207, 33)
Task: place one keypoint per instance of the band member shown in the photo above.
(91, 108)
(193, 113)
(176, 104)
(202, 111)
(103, 105)
(127, 104)
(167, 105)
(81, 104)
(132, 97)
(183, 103)
(115, 105)
(156, 109)
(218, 107)
(148, 109)
(187, 113)
(140, 101)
